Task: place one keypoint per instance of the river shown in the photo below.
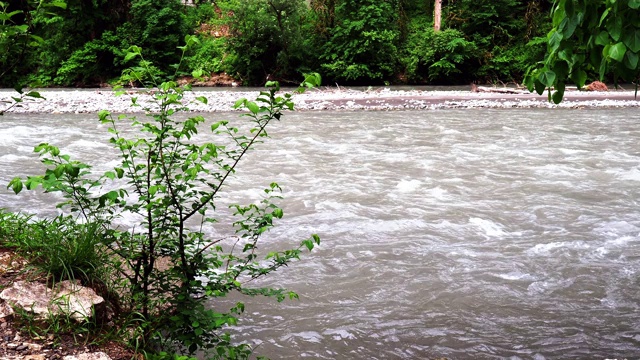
(470, 233)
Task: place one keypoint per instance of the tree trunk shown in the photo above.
(437, 15)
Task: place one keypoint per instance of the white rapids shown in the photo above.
(476, 233)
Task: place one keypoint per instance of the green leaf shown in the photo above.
(60, 4)
(559, 93)
(632, 40)
(129, 56)
(34, 94)
(547, 78)
(38, 40)
(539, 87)
(239, 103)
(528, 82)
(603, 38)
(197, 73)
(554, 41)
(579, 77)
(308, 243)
(602, 70)
(631, 60)
(15, 185)
(564, 55)
(202, 99)
(617, 51)
(253, 107)
(603, 17)
(568, 26)
(615, 28)
(558, 15)
(634, 4)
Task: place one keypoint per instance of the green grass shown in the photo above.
(59, 248)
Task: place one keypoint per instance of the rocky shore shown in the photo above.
(341, 99)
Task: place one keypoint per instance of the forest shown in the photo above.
(82, 43)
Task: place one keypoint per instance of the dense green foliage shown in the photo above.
(254, 41)
(589, 37)
(362, 44)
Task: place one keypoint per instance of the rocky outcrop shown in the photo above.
(66, 298)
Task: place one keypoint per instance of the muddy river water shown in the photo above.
(470, 233)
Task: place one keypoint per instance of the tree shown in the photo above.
(17, 37)
(437, 16)
(267, 39)
(588, 37)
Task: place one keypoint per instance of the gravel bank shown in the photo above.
(91, 101)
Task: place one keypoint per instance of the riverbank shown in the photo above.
(91, 101)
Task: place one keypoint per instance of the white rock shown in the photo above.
(88, 356)
(65, 298)
(5, 310)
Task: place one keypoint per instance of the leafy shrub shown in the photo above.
(362, 45)
(96, 62)
(511, 63)
(159, 27)
(266, 39)
(501, 30)
(65, 32)
(208, 55)
(174, 182)
(444, 56)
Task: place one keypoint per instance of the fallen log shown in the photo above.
(485, 89)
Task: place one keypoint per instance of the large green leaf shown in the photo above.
(603, 38)
(617, 51)
(554, 41)
(604, 16)
(634, 4)
(547, 78)
(558, 15)
(631, 60)
(570, 25)
(632, 40)
(579, 77)
(539, 87)
(559, 93)
(614, 27)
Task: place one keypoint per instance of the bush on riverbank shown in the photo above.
(162, 272)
